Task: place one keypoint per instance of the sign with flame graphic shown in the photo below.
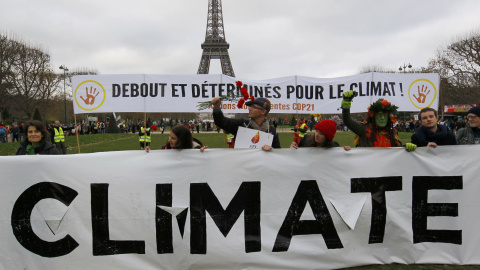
(252, 138)
(256, 138)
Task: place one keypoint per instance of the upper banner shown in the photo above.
(240, 209)
(295, 94)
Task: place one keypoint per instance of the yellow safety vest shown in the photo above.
(145, 136)
(59, 136)
(230, 141)
(301, 134)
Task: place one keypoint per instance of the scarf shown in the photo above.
(265, 127)
(425, 135)
(30, 149)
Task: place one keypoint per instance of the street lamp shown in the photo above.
(404, 67)
(65, 69)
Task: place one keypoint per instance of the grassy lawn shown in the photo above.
(121, 142)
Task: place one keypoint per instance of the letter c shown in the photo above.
(22, 227)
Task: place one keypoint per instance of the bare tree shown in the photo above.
(459, 67)
(460, 61)
(8, 50)
(27, 80)
(30, 73)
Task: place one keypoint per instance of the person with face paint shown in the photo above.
(377, 130)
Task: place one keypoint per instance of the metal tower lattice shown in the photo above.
(215, 45)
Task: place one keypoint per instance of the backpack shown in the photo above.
(3, 132)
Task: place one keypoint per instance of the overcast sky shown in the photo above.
(268, 38)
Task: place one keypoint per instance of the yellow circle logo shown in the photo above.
(422, 93)
(90, 95)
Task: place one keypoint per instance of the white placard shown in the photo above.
(252, 138)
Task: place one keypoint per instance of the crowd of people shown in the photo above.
(379, 129)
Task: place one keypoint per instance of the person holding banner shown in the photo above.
(324, 133)
(430, 133)
(258, 109)
(35, 142)
(180, 138)
(377, 130)
(471, 133)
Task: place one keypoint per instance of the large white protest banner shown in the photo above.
(240, 209)
(293, 94)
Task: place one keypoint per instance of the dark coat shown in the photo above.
(197, 144)
(305, 141)
(44, 148)
(423, 136)
(231, 126)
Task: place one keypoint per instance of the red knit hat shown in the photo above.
(327, 127)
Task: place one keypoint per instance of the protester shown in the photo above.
(35, 142)
(430, 133)
(180, 138)
(21, 132)
(230, 139)
(300, 130)
(14, 132)
(257, 111)
(324, 133)
(144, 136)
(3, 133)
(471, 133)
(162, 127)
(59, 138)
(377, 130)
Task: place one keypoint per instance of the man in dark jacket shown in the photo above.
(257, 111)
(430, 133)
(471, 133)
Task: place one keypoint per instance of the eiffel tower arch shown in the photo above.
(215, 45)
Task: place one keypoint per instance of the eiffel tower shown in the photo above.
(215, 45)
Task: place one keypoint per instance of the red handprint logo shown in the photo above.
(422, 94)
(90, 99)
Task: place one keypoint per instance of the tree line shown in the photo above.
(28, 81)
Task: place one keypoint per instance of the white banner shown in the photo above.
(239, 209)
(294, 94)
